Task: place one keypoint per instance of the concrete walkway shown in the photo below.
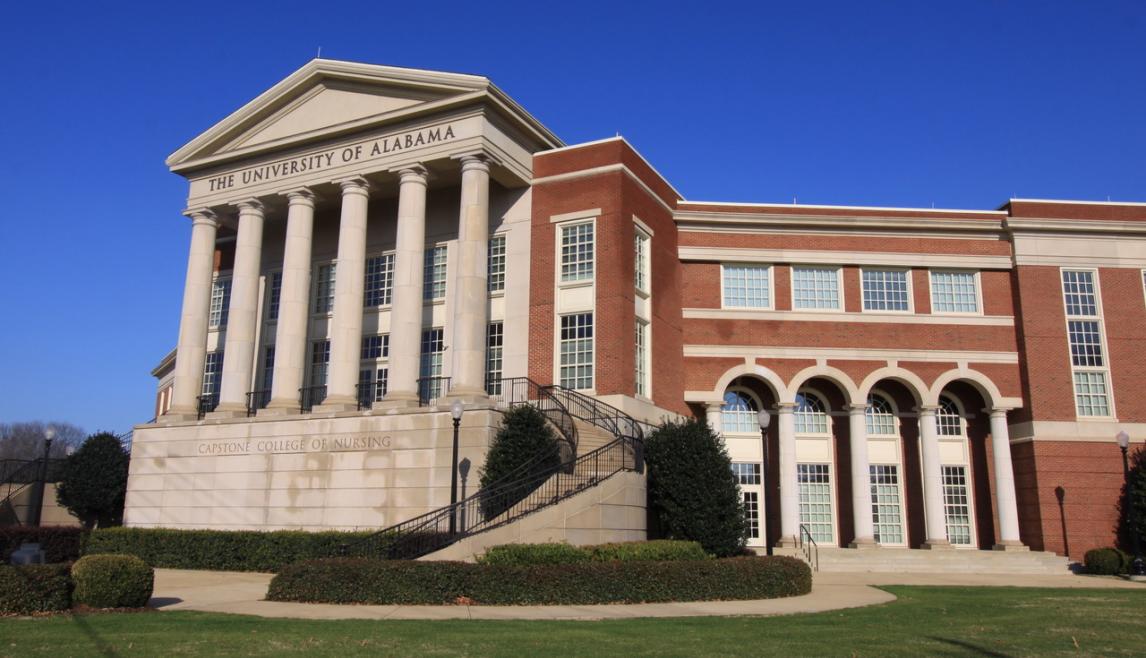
(243, 593)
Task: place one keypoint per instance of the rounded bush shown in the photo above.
(1105, 561)
(112, 581)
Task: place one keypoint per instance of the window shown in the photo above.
(220, 303)
(641, 262)
(576, 362)
(378, 287)
(815, 491)
(816, 288)
(885, 290)
(376, 347)
(886, 509)
(496, 269)
(1084, 335)
(319, 362)
(752, 513)
(811, 414)
(494, 339)
(433, 348)
(746, 472)
(371, 386)
(434, 277)
(268, 367)
(747, 286)
(273, 296)
(956, 505)
(212, 376)
(324, 288)
(948, 420)
(880, 417)
(954, 292)
(738, 413)
(577, 252)
(642, 357)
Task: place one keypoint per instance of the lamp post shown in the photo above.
(37, 502)
(456, 413)
(763, 418)
(1137, 568)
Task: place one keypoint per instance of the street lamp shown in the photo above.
(37, 502)
(1137, 568)
(763, 418)
(456, 413)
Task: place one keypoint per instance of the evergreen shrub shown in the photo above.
(112, 581)
(1106, 561)
(93, 484)
(661, 550)
(59, 543)
(34, 588)
(524, 447)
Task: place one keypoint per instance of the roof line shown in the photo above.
(618, 138)
(1081, 203)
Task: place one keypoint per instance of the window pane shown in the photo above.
(433, 348)
(379, 284)
(273, 298)
(957, 505)
(434, 275)
(494, 338)
(641, 261)
(947, 418)
(1091, 397)
(577, 252)
(497, 263)
(885, 290)
(319, 361)
(752, 513)
(885, 504)
(953, 292)
(811, 415)
(642, 357)
(220, 303)
(576, 358)
(268, 367)
(1078, 294)
(738, 413)
(746, 472)
(1085, 343)
(324, 289)
(815, 489)
(747, 286)
(880, 418)
(815, 287)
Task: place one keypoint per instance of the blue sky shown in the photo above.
(884, 103)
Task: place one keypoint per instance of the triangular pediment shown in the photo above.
(326, 97)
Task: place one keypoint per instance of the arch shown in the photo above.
(881, 414)
(911, 381)
(752, 370)
(982, 383)
(835, 375)
(742, 417)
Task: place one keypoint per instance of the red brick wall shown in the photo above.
(844, 243)
(1124, 314)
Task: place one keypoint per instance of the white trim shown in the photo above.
(816, 231)
(1100, 431)
(1106, 368)
(751, 309)
(846, 316)
(815, 266)
(979, 310)
(806, 205)
(1077, 202)
(644, 227)
(852, 224)
(910, 288)
(605, 169)
(557, 348)
(591, 213)
(848, 354)
(559, 237)
(817, 257)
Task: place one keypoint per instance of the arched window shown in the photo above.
(880, 416)
(738, 413)
(811, 414)
(948, 419)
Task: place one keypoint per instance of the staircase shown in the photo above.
(955, 561)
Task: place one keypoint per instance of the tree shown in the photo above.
(692, 489)
(25, 441)
(1137, 498)
(525, 448)
(94, 481)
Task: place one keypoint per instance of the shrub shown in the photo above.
(525, 446)
(35, 588)
(220, 550)
(112, 581)
(60, 544)
(691, 488)
(659, 550)
(1106, 561)
(519, 554)
(436, 583)
(1135, 495)
(94, 481)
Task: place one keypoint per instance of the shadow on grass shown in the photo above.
(98, 642)
(973, 648)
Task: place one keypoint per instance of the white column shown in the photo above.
(294, 305)
(932, 480)
(406, 311)
(471, 293)
(712, 415)
(789, 487)
(861, 478)
(243, 315)
(346, 320)
(1006, 505)
(192, 348)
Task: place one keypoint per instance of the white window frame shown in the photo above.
(839, 271)
(642, 261)
(1105, 369)
(753, 424)
(827, 415)
(502, 237)
(756, 487)
(969, 484)
(769, 267)
(642, 335)
(592, 389)
(316, 281)
(374, 364)
(910, 289)
(270, 303)
(221, 282)
(491, 360)
(976, 279)
(428, 276)
(393, 256)
(833, 500)
(964, 439)
(560, 228)
(902, 501)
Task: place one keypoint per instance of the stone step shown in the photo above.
(900, 560)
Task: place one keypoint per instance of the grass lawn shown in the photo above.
(924, 621)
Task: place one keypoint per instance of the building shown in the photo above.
(369, 243)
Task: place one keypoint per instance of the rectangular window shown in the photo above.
(1091, 394)
(576, 364)
(954, 292)
(816, 288)
(1085, 343)
(577, 252)
(378, 287)
(324, 288)
(496, 269)
(433, 348)
(815, 491)
(434, 274)
(220, 303)
(371, 386)
(319, 362)
(273, 296)
(642, 358)
(212, 375)
(268, 367)
(494, 337)
(886, 509)
(1084, 336)
(747, 286)
(641, 263)
(376, 347)
(885, 290)
(746, 472)
(752, 513)
(956, 505)
(1078, 294)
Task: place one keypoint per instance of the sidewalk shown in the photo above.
(242, 593)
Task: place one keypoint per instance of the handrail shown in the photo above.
(518, 391)
(809, 547)
(596, 412)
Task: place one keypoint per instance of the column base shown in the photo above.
(863, 543)
(479, 396)
(937, 545)
(786, 542)
(399, 400)
(1010, 545)
(279, 408)
(337, 403)
(222, 412)
(177, 417)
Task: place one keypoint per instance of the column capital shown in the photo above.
(354, 185)
(251, 205)
(475, 162)
(786, 407)
(857, 409)
(202, 216)
(301, 196)
(927, 409)
(997, 412)
(413, 174)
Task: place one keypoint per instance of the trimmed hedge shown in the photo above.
(60, 544)
(406, 582)
(112, 581)
(1107, 561)
(35, 588)
(219, 550)
(660, 550)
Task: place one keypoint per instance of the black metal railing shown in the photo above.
(809, 548)
(432, 388)
(257, 400)
(205, 404)
(517, 391)
(595, 412)
(309, 397)
(369, 393)
(16, 475)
